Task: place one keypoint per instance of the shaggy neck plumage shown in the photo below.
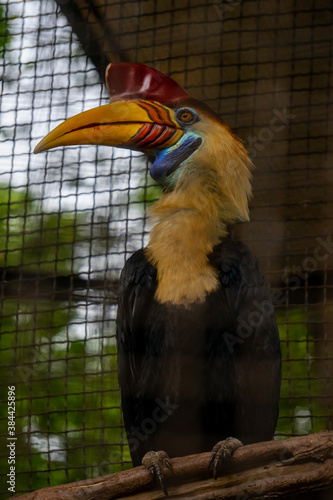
(190, 221)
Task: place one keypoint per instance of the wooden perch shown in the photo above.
(296, 468)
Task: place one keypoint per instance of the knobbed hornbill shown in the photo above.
(198, 345)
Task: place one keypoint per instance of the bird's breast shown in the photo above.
(178, 248)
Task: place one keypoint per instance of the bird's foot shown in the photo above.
(155, 461)
(222, 452)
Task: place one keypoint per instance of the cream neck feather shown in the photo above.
(191, 219)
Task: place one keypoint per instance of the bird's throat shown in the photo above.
(179, 246)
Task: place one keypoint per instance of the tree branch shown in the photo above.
(292, 468)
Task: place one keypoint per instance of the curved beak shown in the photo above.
(138, 125)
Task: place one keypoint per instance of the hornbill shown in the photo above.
(198, 345)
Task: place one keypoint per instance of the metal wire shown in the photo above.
(70, 219)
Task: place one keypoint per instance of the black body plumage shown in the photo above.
(192, 376)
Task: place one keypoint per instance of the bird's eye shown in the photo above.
(186, 116)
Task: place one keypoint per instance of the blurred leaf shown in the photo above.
(36, 240)
(148, 195)
(5, 36)
(301, 391)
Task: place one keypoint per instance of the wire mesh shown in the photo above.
(70, 219)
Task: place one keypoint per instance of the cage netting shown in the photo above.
(69, 219)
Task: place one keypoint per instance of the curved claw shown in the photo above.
(154, 461)
(222, 452)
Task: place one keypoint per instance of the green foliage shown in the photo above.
(66, 397)
(303, 408)
(67, 402)
(5, 36)
(148, 195)
(35, 240)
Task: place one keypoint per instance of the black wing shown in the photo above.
(190, 377)
(135, 313)
(250, 348)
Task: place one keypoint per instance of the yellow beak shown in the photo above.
(138, 125)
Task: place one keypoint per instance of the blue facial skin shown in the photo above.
(169, 160)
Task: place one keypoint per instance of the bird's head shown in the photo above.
(151, 113)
